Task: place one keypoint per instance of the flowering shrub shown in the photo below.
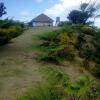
(7, 34)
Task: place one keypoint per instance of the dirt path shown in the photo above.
(18, 68)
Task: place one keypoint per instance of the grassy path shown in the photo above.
(18, 68)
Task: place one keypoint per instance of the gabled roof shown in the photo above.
(42, 18)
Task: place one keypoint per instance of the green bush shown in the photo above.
(7, 34)
(88, 30)
(49, 37)
(82, 89)
(9, 29)
(57, 45)
(4, 37)
(96, 70)
(88, 53)
(80, 41)
(6, 23)
(15, 31)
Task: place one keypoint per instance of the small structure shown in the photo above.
(42, 20)
(57, 21)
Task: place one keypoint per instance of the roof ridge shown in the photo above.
(42, 18)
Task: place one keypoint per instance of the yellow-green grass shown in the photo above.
(19, 69)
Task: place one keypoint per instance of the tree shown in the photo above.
(85, 12)
(2, 9)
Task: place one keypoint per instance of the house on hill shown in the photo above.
(42, 20)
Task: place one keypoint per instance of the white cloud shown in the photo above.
(25, 16)
(97, 20)
(63, 7)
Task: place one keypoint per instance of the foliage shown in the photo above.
(6, 23)
(88, 53)
(50, 91)
(49, 36)
(4, 37)
(97, 51)
(88, 30)
(9, 29)
(80, 41)
(42, 93)
(82, 89)
(64, 23)
(76, 17)
(96, 71)
(69, 42)
(58, 45)
(2, 9)
(81, 16)
(60, 87)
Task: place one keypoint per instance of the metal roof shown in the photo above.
(42, 18)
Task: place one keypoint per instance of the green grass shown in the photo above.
(20, 70)
(18, 66)
(50, 89)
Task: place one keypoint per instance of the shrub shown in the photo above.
(80, 41)
(88, 30)
(67, 29)
(4, 36)
(88, 53)
(96, 70)
(6, 23)
(65, 53)
(15, 31)
(57, 46)
(82, 89)
(64, 23)
(7, 34)
(49, 36)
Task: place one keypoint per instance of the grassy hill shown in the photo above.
(22, 72)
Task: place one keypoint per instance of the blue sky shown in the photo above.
(25, 10)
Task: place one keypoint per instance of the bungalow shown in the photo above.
(42, 20)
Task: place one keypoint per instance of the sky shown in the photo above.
(25, 10)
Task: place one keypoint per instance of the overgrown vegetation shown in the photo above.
(76, 39)
(58, 45)
(71, 42)
(9, 29)
(60, 87)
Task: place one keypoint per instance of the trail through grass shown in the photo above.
(19, 69)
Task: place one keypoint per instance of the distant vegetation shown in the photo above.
(9, 29)
(85, 12)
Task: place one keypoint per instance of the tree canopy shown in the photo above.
(2, 9)
(84, 13)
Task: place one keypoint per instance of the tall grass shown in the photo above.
(51, 89)
(58, 86)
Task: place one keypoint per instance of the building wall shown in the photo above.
(42, 24)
